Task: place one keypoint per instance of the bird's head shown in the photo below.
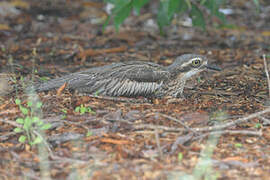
(189, 65)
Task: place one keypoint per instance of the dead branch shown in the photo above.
(203, 129)
(267, 74)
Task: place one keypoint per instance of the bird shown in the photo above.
(133, 78)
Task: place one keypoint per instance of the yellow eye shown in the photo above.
(196, 63)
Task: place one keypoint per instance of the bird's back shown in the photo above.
(133, 78)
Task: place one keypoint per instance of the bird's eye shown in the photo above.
(196, 63)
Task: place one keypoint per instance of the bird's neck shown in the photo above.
(176, 70)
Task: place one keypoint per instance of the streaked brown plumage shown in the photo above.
(133, 78)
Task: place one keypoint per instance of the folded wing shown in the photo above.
(135, 78)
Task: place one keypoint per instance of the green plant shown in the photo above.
(122, 9)
(180, 156)
(238, 145)
(258, 125)
(31, 124)
(89, 133)
(82, 109)
(65, 113)
(167, 9)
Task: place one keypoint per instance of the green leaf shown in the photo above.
(64, 111)
(121, 14)
(163, 18)
(197, 17)
(18, 101)
(258, 125)
(188, 4)
(40, 123)
(77, 109)
(27, 123)
(37, 140)
(238, 145)
(180, 156)
(173, 7)
(39, 105)
(46, 126)
(257, 4)
(89, 133)
(22, 139)
(17, 130)
(35, 119)
(184, 6)
(106, 23)
(83, 110)
(213, 6)
(138, 4)
(20, 120)
(24, 110)
(44, 78)
(29, 103)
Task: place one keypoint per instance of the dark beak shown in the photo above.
(213, 67)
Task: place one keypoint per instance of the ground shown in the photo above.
(219, 130)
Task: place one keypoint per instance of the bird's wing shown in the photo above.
(119, 79)
(134, 70)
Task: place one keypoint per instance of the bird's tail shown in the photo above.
(53, 84)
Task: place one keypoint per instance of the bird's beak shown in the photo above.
(213, 67)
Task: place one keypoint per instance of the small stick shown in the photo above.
(207, 128)
(230, 132)
(267, 73)
(266, 121)
(158, 143)
(179, 121)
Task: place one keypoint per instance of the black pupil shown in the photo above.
(196, 62)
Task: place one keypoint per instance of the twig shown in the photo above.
(203, 129)
(238, 121)
(13, 123)
(267, 121)
(44, 142)
(152, 126)
(180, 140)
(179, 121)
(267, 73)
(231, 132)
(158, 143)
(6, 136)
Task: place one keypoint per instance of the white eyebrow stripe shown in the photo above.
(187, 63)
(196, 58)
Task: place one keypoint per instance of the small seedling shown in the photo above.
(89, 133)
(82, 109)
(258, 125)
(199, 79)
(238, 145)
(180, 156)
(30, 123)
(65, 113)
(44, 78)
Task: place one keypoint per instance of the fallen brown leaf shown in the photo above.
(114, 141)
(60, 90)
